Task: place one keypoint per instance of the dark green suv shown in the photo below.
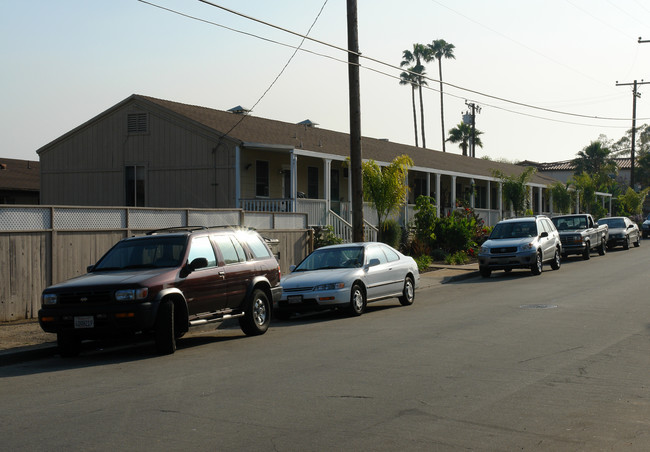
(163, 283)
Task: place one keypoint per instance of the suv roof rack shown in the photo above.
(176, 229)
(198, 228)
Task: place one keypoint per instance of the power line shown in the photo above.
(374, 60)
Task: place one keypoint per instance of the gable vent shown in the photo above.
(136, 123)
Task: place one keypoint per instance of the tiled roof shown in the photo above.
(251, 129)
(567, 165)
(20, 175)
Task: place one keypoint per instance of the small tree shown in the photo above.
(386, 187)
(515, 190)
(562, 197)
(631, 203)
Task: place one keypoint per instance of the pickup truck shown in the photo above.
(580, 234)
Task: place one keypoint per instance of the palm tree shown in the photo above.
(409, 78)
(438, 50)
(595, 160)
(416, 56)
(462, 134)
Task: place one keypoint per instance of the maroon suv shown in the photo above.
(163, 283)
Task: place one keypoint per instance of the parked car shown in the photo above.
(348, 276)
(622, 232)
(527, 242)
(163, 283)
(645, 228)
(580, 234)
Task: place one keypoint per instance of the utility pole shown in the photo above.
(635, 94)
(355, 123)
(474, 110)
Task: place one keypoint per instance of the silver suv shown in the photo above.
(527, 242)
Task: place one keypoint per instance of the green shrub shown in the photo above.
(457, 258)
(439, 254)
(390, 233)
(324, 236)
(423, 263)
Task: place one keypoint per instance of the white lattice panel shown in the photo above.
(156, 219)
(24, 219)
(89, 218)
(219, 218)
(291, 221)
(258, 220)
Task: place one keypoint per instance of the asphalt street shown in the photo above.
(514, 362)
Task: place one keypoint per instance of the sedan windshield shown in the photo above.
(613, 222)
(144, 253)
(514, 230)
(328, 258)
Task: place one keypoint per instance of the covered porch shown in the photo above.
(285, 179)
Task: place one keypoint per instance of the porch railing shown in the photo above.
(343, 229)
(266, 205)
(315, 210)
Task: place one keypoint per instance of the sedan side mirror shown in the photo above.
(292, 268)
(373, 262)
(543, 234)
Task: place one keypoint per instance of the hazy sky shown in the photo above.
(65, 61)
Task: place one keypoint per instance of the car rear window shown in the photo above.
(257, 246)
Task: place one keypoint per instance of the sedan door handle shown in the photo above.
(222, 274)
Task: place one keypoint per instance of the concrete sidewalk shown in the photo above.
(24, 340)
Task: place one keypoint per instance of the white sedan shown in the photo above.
(348, 276)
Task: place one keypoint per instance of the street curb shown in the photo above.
(27, 353)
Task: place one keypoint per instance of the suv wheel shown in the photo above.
(408, 294)
(69, 344)
(603, 247)
(555, 263)
(586, 253)
(257, 317)
(165, 337)
(536, 268)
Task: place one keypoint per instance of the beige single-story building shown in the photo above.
(157, 153)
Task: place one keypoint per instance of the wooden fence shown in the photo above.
(32, 259)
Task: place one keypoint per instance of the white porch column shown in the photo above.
(539, 200)
(428, 184)
(550, 202)
(472, 186)
(488, 199)
(531, 193)
(577, 202)
(453, 192)
(237, 177)
(406, 201)
(610, 206)
(294, 180)
(327, 180)
(438, 206)
(500, 200)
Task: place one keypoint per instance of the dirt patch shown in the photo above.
(22, 333)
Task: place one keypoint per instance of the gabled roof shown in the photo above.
(20, 175)
(260, 130)
(251, 130)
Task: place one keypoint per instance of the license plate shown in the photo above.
(86, 321)
(294, 299)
